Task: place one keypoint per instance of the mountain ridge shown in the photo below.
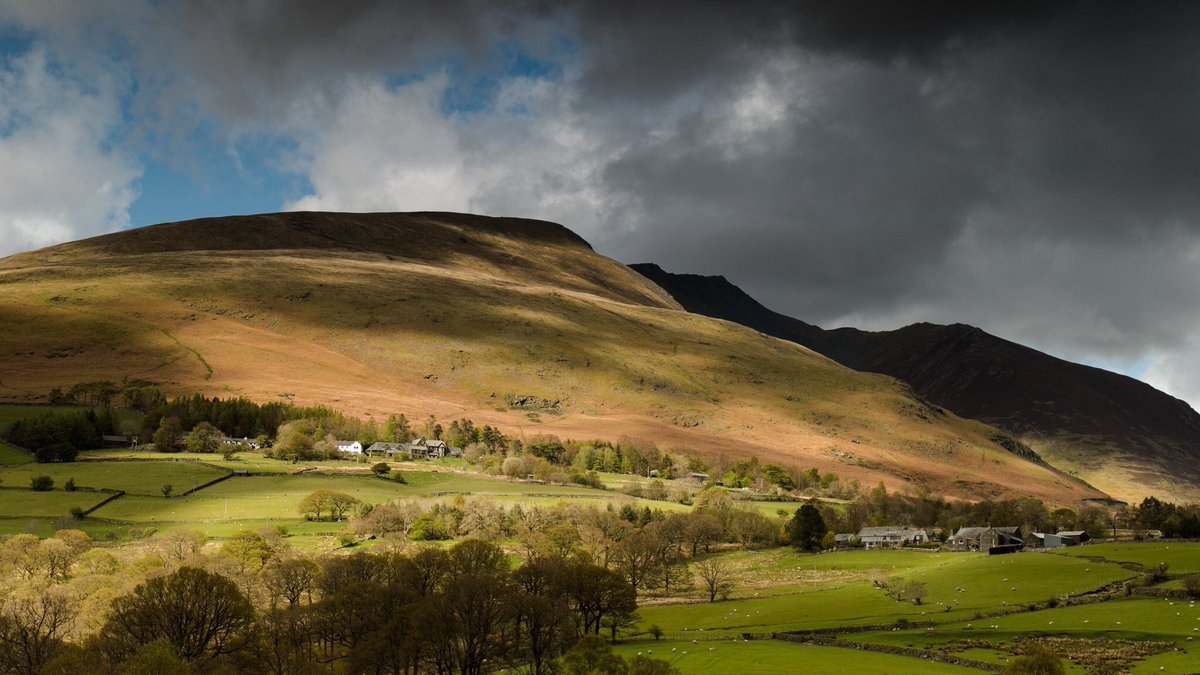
(1144, 438)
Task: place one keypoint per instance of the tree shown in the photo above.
(205, 438)
(166, 438)
(200, 613)
(593, 655)
(340, 503)
(290, 579)
(41, 483)
(381, 469)
(1037, 660)
(180, 544)
(807, 528)
(32, 629)
(167, 489)
(249, 549)
(715, 577)
(320, 501)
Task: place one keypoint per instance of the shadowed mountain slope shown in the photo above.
(509, 322)
(1120, 434)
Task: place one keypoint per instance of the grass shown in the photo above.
(1138, 619)
(12, 413)
(814, 603)
(271, 497)
(10, 454)
(773, 656)
(135, 478)
(1181, 558)
(17, 504)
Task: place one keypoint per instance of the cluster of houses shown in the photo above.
(992, 540)
(422, 448)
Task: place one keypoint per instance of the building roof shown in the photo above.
(1072, 533)
(886, 531)
(974, 532)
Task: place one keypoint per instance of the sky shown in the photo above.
(1032, 168)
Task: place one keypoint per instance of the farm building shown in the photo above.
(388, 449)
(248, 442)
(352, 447)
(1060, 540)
(423, 448)
(891, 537)
(845, 540)
(988, 539)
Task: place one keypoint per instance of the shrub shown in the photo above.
(1192, 585)
(590, 479)
(69, 486)
(398, 477)
(41, 483)
(77, 513)
(381, 469)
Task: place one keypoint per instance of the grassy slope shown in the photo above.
(812, 603)
(436, 314)
(769, 656)
(136, 478)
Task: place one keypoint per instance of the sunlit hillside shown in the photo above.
(510, 322)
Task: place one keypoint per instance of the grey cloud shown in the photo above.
(1029, 167)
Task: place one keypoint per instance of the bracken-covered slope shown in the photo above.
(511, 322)
(1120, 434)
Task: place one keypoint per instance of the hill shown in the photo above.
(510, 322)
(1118, 433)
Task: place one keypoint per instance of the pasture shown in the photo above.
(13, 455)
(837, 589)
(17, 504)
(1173, 625)
(720, 657)
(135, 478)
(1181, 558)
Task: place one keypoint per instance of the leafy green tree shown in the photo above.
(41, 483)
(166, 438)
(381, 469)
(807, 528)
(593, 654)
(249, 549)
(205, 438)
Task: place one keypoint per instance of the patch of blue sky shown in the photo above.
(1137, 369)
(251, 177)
(474, 90)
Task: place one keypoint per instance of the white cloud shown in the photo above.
(59, 177)
(394, 149)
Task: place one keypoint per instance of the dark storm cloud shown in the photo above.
(1030, 167)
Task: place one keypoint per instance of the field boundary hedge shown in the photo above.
(208, 484)
(114, 496)
(927, 655)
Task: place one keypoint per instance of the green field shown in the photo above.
(1140, 619)
(20, 505)
(135, 478)
(772, 656)
(13, 455)
(271, 497)
(11, 413)
(1181, 558)
(810, 603)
